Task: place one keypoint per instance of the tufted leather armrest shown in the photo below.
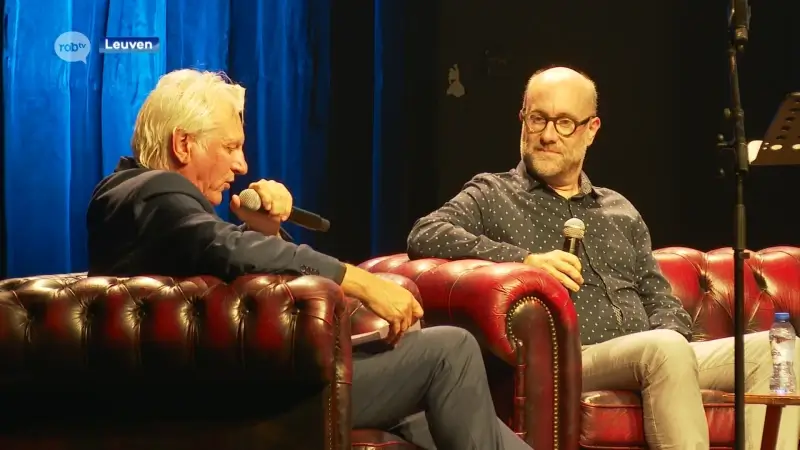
(522, 316)
(156, 347)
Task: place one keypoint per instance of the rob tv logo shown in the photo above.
(73, 46)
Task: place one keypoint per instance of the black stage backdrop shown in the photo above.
(662, 79)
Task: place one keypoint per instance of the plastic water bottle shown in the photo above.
(781, 338)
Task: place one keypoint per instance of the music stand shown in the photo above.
(781, 144)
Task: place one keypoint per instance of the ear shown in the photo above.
(180, 146)
(594, 127)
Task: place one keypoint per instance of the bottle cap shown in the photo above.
(781, 316)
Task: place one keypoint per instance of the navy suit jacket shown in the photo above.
(154, 222)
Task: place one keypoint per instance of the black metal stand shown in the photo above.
(739, 36)
(780, 147)
(739, 252)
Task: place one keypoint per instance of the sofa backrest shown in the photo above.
(62, 279)
(703, 281)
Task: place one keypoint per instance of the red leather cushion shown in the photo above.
(613, 419)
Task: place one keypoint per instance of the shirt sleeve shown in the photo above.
(457, 230)
(222, 249)
(664, 310)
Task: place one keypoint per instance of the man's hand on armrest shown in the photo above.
(564, 267)
(390, 301)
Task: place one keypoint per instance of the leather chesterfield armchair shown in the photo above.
(528, 328)
(195, 363)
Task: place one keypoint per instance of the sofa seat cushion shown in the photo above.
(369, 439)
(613, 419)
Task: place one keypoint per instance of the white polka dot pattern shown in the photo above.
(506, 216)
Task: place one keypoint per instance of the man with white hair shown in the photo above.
(635, 333)
(155, 215)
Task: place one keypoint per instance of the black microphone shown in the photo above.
(573, 232)
(252, 201)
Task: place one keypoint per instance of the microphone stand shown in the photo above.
(739, 37)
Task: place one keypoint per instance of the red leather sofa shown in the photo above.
(528, 328)
(195, 363)
(264, 362)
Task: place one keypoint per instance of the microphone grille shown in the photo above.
(574, 228)
(250, 199)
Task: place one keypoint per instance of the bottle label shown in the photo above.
(782, 350)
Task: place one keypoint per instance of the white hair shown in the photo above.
(185, 99)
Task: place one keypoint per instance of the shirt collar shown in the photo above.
(531, 182)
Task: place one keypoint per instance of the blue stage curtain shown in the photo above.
(381, 157)
(286, 111)
(85, 126)
(129, 77)
(390, 179)
(39, 128)
(403, 116)
(66, 124)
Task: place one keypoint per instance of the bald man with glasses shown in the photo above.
(635, 333)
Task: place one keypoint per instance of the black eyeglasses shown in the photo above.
(565, 126)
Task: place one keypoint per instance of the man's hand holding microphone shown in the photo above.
(563, 265)
(276, 202)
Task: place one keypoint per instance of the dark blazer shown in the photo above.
(154, 222)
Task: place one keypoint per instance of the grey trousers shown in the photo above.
(438, 371)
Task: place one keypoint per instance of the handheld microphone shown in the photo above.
(573, 232)
(252, 201)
